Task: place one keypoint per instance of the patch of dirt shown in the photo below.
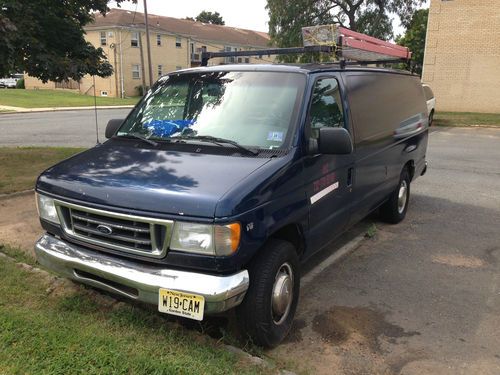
(19, 225)
(349, 341)
(364, 325)
(398, 363)
(462, 261)
(492, 255)
(295, 334)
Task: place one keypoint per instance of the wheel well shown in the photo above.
(293, 234)
(410, 165)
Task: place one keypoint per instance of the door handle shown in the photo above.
(350, 173)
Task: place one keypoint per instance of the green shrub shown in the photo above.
(141, 90)
(20, 84)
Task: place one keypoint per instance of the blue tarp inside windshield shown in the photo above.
(166, 128)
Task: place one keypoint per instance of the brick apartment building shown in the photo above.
(175, 44)
(462, 56)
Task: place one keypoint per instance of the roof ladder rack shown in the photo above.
(349, 47)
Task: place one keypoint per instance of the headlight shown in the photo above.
(206, 239)
(46, 208)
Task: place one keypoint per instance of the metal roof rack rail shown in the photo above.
(348, 47)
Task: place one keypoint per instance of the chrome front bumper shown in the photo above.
(135, 280)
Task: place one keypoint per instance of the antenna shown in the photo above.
(95, 110)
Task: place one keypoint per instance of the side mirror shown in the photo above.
(334, 141)
(112, 127)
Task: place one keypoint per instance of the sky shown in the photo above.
(246, 15)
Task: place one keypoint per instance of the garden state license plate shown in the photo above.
(187, 305)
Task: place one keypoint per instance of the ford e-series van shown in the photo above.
(223, 180)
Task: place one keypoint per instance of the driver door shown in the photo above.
(329, 177)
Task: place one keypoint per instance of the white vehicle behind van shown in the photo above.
(431, 102)
(10, 82)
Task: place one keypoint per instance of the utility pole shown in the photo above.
(148, 44)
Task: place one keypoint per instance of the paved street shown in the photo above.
(63, 128)
(422, 297)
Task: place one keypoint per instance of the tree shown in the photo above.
(46, 39)
(414, 39)
(208, 17)
(372, 17)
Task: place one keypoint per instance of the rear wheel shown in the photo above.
(267, 312)
(394, 210)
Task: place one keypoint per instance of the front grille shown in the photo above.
(135, 234)
(128, 233)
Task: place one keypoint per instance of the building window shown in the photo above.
(134, 39)
(104, 40)
(160, 70)
(230, 59)
(158, 39)
(247, 60)
(136, 71)
(178, 43)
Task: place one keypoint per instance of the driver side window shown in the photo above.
(326, 106)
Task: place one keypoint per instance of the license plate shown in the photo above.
(187, 305)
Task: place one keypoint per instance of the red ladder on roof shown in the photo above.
(362, 47)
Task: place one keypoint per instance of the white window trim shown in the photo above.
(136, 39)
(101, 39)
(138, 71)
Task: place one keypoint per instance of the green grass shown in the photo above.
(72, 333)
(20, 166)
(371, 231)
(466, 119)
(56, 98)
(18, 255)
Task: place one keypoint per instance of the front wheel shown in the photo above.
(267, 312)
(394, 210)
(431, 118)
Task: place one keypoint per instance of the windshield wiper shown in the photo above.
(141, 137)
(219, 141)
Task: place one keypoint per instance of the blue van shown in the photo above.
(224, 179)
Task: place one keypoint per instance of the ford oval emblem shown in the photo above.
(104, 229)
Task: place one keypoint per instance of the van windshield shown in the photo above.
(254, 109)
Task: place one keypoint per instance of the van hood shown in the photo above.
(155, 180)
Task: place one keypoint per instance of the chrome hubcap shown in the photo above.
(282, 293)
(402, 196)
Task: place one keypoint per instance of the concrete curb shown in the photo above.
(258, 361)
(4, 197)
(466, 126)
(332, 259)
(16, 110)
(28, 267)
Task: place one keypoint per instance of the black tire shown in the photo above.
(256, 315)
(394, 210)
(431, 117)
